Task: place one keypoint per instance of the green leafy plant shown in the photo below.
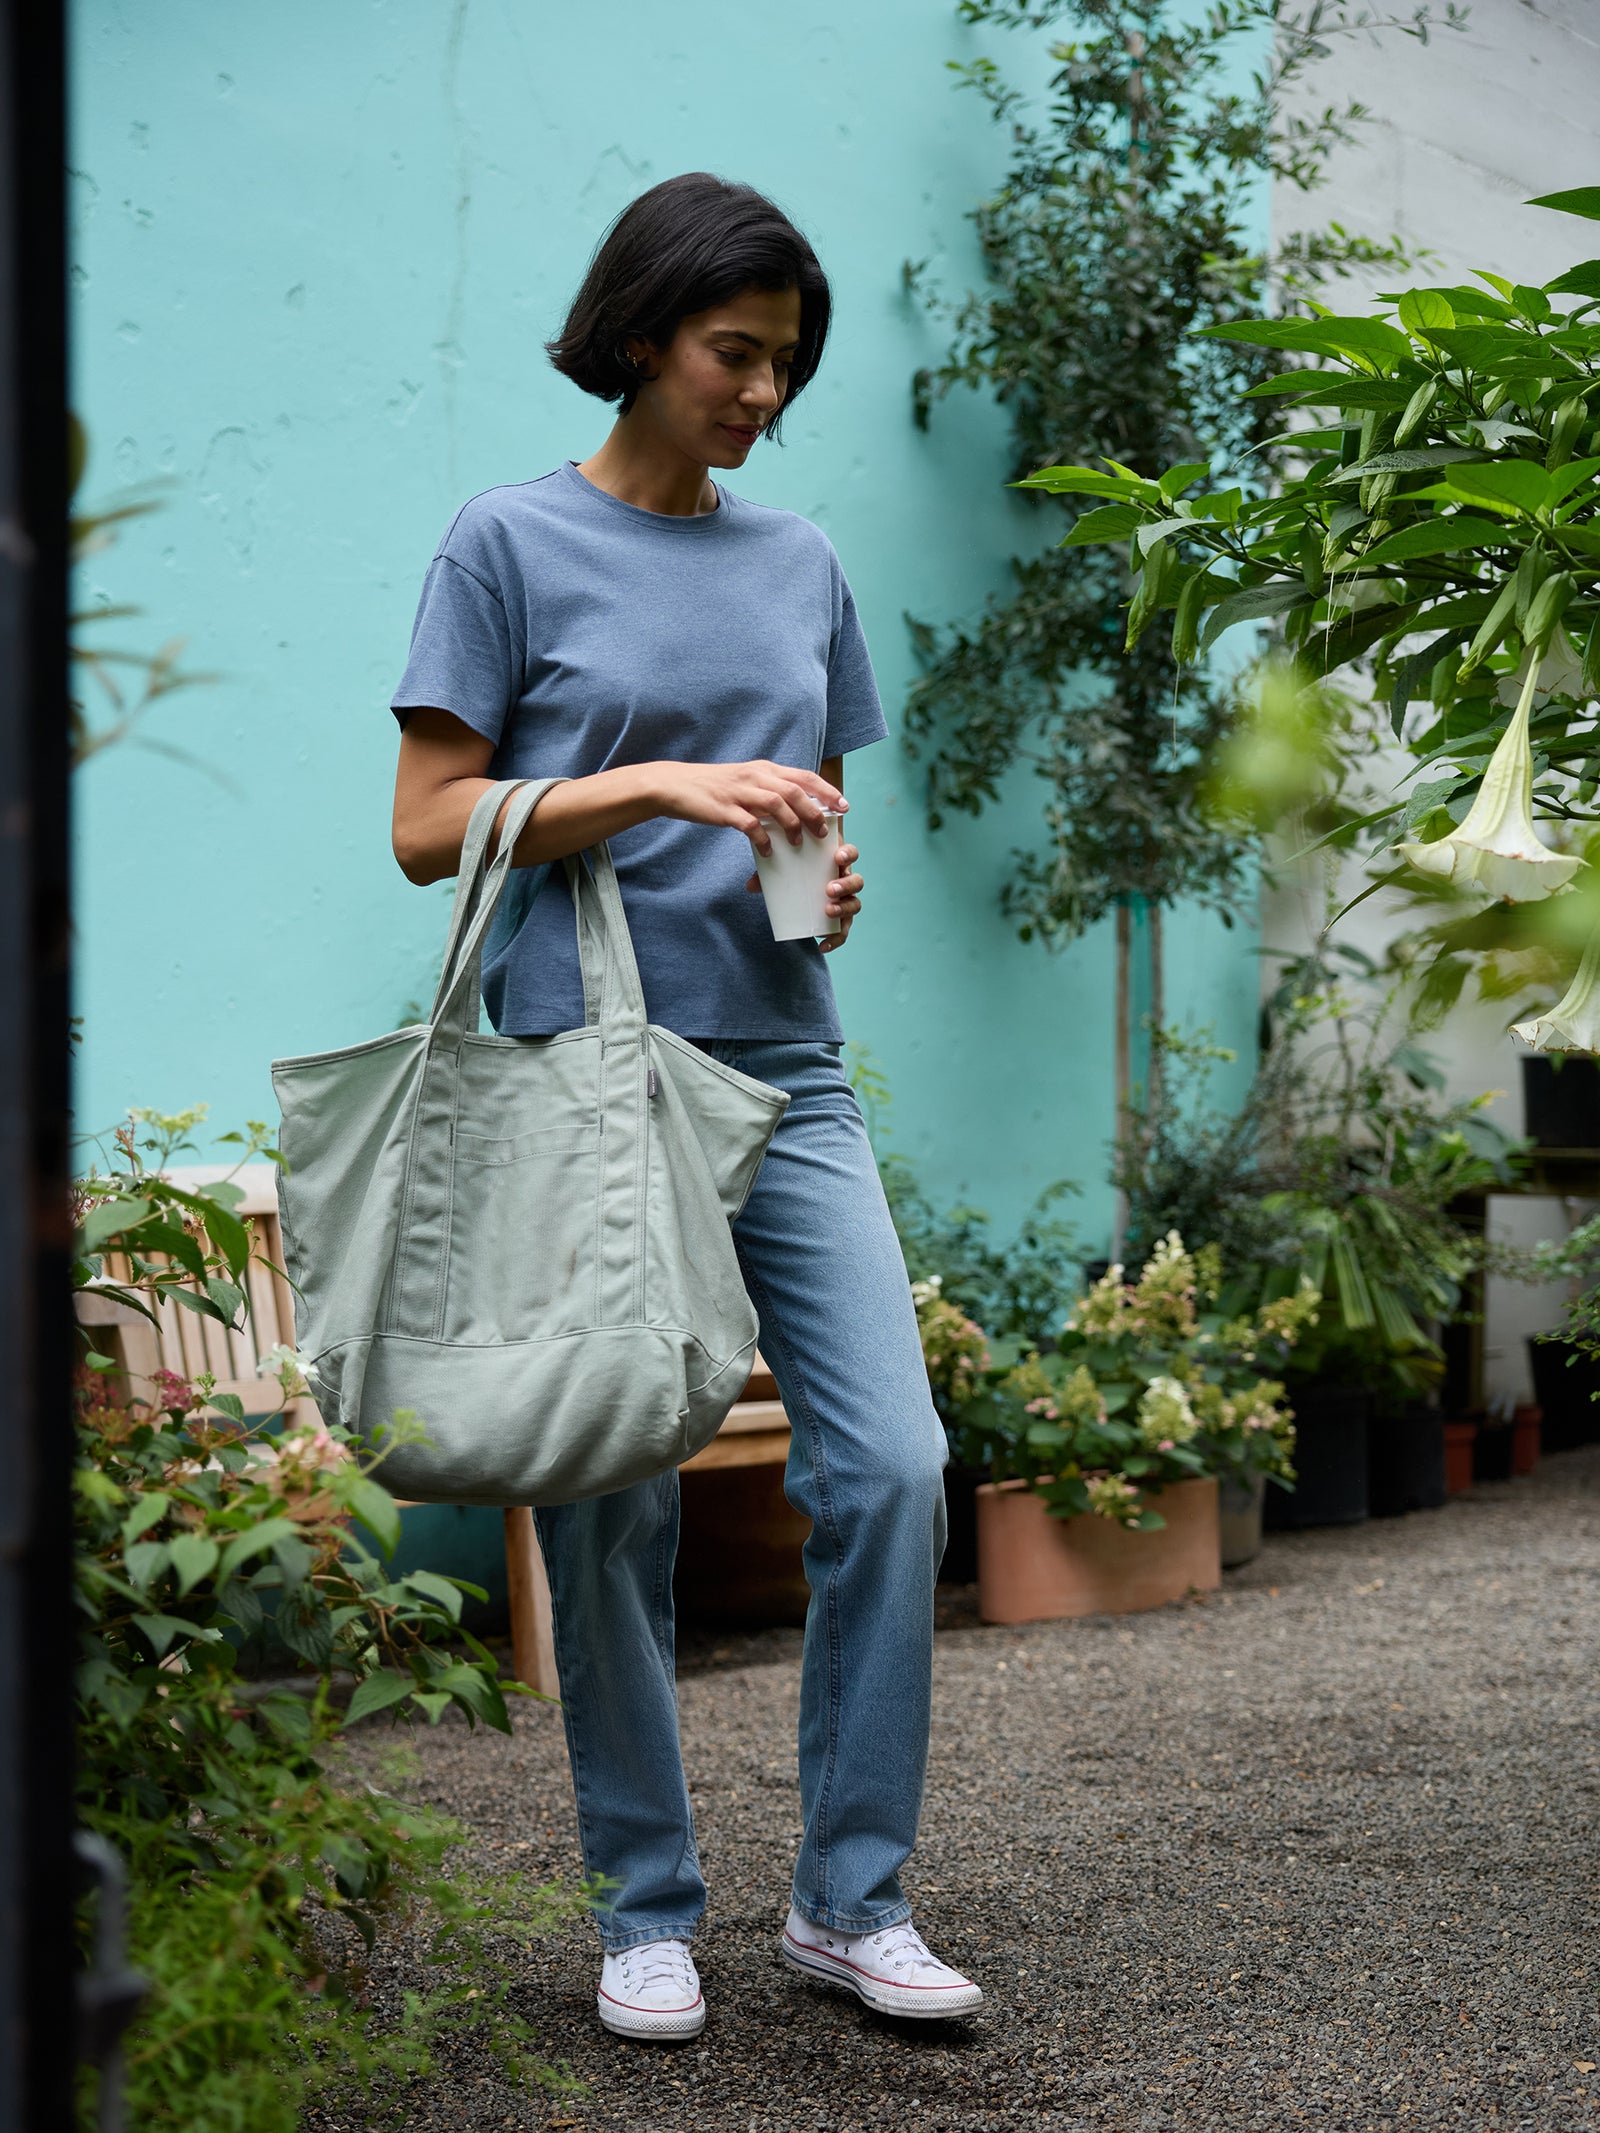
(1125, 226)
(262, 1870)
(1340, 1169)
(1439, 528)
(1143, 1389)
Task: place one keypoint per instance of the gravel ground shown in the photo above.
(1316, 1851)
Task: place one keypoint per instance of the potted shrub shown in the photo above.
(1103, 1456)
(1341, 1168)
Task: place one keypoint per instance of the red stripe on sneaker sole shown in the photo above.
(827, 1965)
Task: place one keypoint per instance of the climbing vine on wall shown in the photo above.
(1126, 224)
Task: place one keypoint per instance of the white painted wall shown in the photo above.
(1463, 131)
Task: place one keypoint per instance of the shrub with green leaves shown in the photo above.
(1126, 224)
(1438, 527)
(262, 1866)
(1147, 1386)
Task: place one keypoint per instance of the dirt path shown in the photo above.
(1320, 1851)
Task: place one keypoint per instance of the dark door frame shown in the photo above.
(37, 1877)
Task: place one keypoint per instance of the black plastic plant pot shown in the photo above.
(1571, 1413)
(1491, 1451)
(1561, 1101)
(1405, 1462)
(1330, 1459)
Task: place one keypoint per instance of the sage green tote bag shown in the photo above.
(523, 1240)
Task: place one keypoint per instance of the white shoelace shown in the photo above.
(902, 1947)
(659, 1962)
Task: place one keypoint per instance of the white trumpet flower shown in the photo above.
(1497, 848)
(1573, 1024)
(1560, 674)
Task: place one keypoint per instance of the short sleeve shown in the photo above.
(460, 651)
(855, 714)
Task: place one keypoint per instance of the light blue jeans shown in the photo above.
(823, 1268)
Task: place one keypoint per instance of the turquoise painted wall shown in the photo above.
(317, 250)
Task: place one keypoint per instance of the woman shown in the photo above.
(693, 666)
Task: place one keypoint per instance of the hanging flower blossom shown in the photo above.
(1560, 674)
(1573, 1024)
(1497, 847)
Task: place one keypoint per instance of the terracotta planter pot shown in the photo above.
(1459, 1440)
(1527, 1425)
(1035, 1568)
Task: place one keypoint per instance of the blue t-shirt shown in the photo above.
(577, 632)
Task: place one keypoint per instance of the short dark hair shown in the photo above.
(687, 244)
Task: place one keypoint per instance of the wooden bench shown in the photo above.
(189, 1345)
(755, 1434)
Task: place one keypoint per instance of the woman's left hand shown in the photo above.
(844, 896)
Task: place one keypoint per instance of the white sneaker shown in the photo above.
(652, 1991)
(891, 1970)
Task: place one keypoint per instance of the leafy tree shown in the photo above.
(1124, 228)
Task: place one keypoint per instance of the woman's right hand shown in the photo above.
(739, 795)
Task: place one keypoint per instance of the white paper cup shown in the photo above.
(795, 881)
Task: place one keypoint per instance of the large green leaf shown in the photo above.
(256, 1541)
(443, 1591)
(193, 1557)
(1320, 336)
(377, 1511)
(1177, 479)
(1111, 522)
(159, 1630)
(145, 1513)
(377, 1693)
(1580, 200)
(1582, 280)
(111, 1219)
(1509, 484)
(1438, 536)
(1421, 310)
(476, 1692)
(228, 1299)
(1085, 481)
(1413, 461)
(145, 1561)
(1255, 604)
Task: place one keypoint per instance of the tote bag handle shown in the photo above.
(613, 997)
(469, 875)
